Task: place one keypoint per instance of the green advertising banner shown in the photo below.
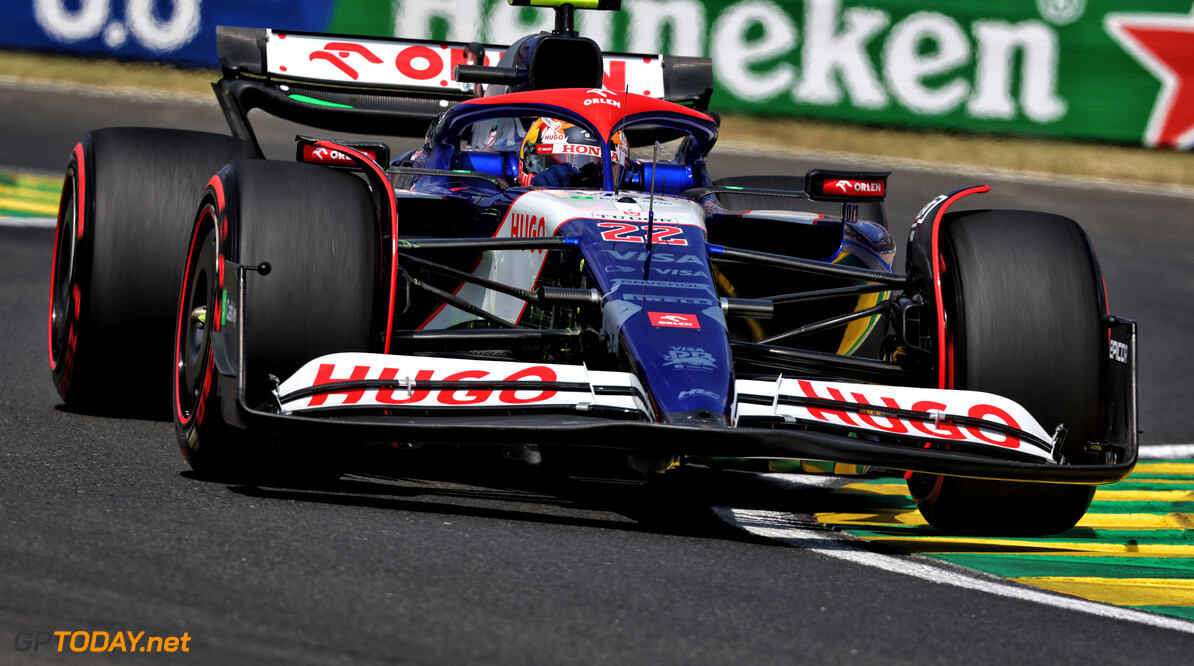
(1085, 69)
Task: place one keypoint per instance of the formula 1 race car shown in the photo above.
(553, 271)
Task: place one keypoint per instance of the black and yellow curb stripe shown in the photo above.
(29, 195)
(1134, 547)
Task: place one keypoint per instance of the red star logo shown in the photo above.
(1164, 44)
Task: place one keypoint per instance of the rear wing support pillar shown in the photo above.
(238, 121)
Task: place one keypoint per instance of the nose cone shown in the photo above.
(662, 313)
(686, 368)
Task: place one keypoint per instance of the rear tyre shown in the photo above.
(1022, 300)
(126, 207)
(317, 230)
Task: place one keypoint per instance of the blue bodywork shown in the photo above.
(661, 315)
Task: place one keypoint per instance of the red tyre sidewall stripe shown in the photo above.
(217, 187)
(477, 264)
(945, 356)
(931, 498)
(81, 174)
(367, 162)
(80, 193)
(945, 341)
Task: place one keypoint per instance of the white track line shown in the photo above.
(35, 222)
(806, 480)
(1166, 451)
(782, 527)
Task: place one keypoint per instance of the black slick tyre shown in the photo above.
(316, 229)
(125, 212)
(1022, 294)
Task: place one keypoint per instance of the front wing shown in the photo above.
(388, 398)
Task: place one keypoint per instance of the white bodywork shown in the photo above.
(410, 64)
(974, 404)
(541, 213)
(619, 390)
(411, 371)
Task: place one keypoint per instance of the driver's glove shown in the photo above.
(558, 175)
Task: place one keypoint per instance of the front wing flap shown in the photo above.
(425, 384)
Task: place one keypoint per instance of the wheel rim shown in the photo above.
(64, 301)
(196, 320)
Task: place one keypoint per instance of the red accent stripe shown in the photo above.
(368, 163)
(455, 292)
(50, 313)
(945, 372)
(497, 232)
(538, 273)
(217, 186)
(182, 308)
(80, 177)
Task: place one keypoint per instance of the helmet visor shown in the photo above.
(546, 155)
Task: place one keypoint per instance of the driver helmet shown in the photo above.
(549, 142)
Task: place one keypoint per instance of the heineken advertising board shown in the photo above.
(1086, 69)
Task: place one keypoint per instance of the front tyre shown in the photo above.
(317, 230)
(1023, 311)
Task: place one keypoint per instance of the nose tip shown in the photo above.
(702, 418)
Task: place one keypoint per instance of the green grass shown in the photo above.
(1039, 155)
(107, 73)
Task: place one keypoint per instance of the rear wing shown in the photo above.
(396, 87)
(850, 188)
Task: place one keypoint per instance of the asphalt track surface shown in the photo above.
(103, 528)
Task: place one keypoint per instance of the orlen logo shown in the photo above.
(872, 188)
(603, 98)
(336, 53)
(368, 61)
(329, 373)
(321, 155)
(674, 319)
